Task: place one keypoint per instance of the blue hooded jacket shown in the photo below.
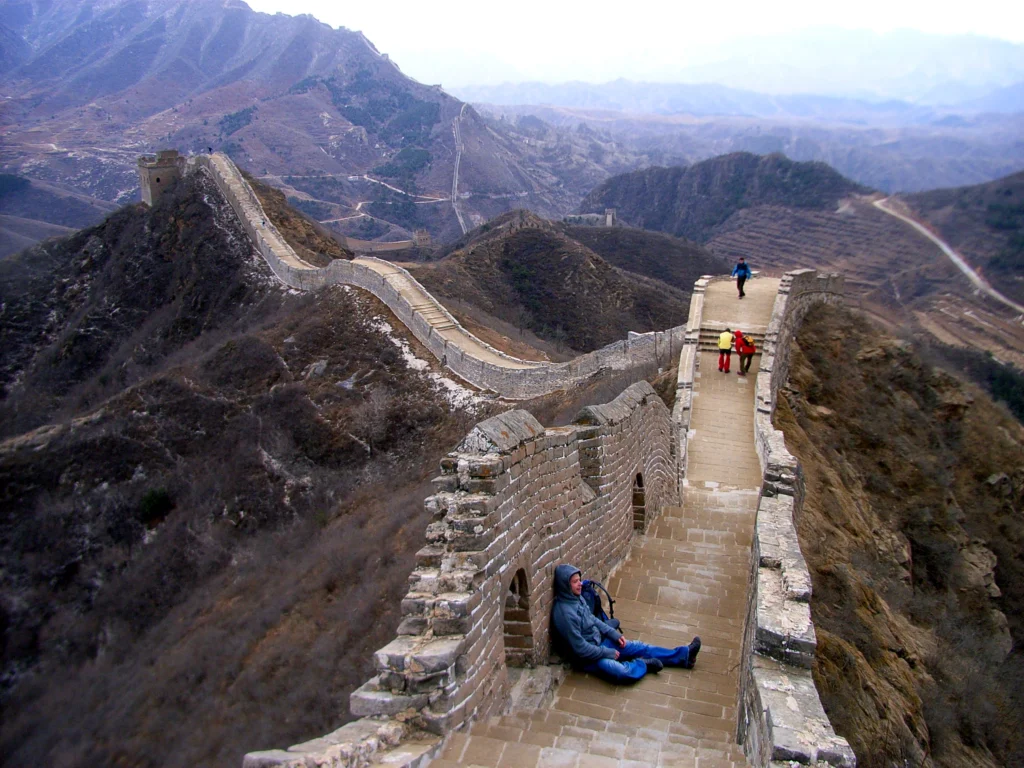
(579, 630)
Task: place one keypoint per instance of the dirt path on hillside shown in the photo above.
(976, 280)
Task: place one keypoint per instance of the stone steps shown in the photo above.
(669, 589)
(561, 737)
(687, 575)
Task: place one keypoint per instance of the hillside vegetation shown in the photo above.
(211, 490)
(529, 273)
(912, 530)
(195, 563)
(672, 260)
(692, 202)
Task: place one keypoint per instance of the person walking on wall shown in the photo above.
(593, 646)
(741, 272)
(746, 349)
(725, 342)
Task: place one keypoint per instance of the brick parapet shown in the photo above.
(513, 496)
(640, 354)
(782, 718)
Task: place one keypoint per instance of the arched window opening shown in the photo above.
(639, 504)
(518, 628)
(157, 179)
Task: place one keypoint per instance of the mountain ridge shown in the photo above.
(692, 202)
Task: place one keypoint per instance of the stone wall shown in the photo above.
(639, 354)
(372, 246)
(513, 501)
(781, 717)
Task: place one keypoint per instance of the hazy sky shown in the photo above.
(460, 42)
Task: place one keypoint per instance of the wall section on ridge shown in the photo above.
(640, 354)
(513, 501)
(780, 714)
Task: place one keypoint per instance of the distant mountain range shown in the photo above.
(695, 202)
(713, 100)
(90, 86)
(905, 65)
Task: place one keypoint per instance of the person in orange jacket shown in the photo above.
(746, 349)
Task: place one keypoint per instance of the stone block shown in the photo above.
(446, 483)
(501, 433)
(368, 700)
(274, 758)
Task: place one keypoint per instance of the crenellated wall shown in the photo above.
(513, 501)
(509, 377)
(781, 716)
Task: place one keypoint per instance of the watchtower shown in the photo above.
(421, 238)
(609, 217)
(158, 172)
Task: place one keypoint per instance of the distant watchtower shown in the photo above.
(422, 238)
(609, 217)
(159, 172)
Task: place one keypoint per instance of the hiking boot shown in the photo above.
(653, 665)
(694, 649)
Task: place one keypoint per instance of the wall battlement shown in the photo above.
(781, 716)
(513, 501)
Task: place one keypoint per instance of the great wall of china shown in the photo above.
(689, 516)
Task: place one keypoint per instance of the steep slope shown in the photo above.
(693, 202)
(525, 271)
(195, 563)
(912, 532)
(985, 223)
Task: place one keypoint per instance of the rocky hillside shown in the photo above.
(985, 223)
(695, 201)
(211, 489)
(912, 531)
(196, 563)
(529, 273)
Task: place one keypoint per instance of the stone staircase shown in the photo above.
(707, 341)
(688, 575)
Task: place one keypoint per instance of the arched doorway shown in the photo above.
(639, 504)
(518, 628)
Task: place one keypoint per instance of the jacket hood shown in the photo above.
(563, 573)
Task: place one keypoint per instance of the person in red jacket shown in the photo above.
(746, 349)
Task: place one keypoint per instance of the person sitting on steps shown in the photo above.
(593, 646)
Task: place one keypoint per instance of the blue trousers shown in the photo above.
(628, 668)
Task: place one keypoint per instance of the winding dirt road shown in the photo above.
(977, 280)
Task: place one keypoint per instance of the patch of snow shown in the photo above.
(457, 395)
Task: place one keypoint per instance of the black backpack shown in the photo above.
(593, 599)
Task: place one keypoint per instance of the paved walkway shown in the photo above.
(687, 576)
(432, 311)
